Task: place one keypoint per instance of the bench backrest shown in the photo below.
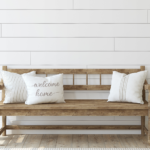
(74, 72)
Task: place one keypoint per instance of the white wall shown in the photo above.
(75, 34)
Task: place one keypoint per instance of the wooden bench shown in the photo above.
(77, 107)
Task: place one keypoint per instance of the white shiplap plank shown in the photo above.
(127, 118)
(148, 16)
(15, 58)
(61, 118)
(75, 30)
(86, 95)
(132, 44)
(0, 30)
(46, 67)
(74, 132)
(73, 16)
(111, 4)
(90, 58)
(36, 4)
(56, 44)
(135, 122)
(99, 66)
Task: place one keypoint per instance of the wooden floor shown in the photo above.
(74, 141)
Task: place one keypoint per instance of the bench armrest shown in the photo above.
(147, 87)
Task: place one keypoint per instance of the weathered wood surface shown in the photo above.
(1, 85)
(77, 112)
(74, 141)
(64, 141)
(112, 141)
(77, 104)
(145, 130)
(80, 141)
(147, 87)
(4, 125)
(142, 124)
(96, 141)
(16, 141)
(3, 90)
(128, 141)
(149, 116)
(87, 87)
(3, 129)
(74, 127)
(33, 141)
(74, 71)
(49, 141)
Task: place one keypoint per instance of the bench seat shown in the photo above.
(78, 104)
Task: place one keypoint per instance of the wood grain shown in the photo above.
(142, 124)
(74, 71)
(77, 112)
(17, 141)
(74, 127)
(96, 141)
(80, 141)
(3, 129)
(93, 104)
(87, 87)
(4, 140)
(64, 141)
(48, 141)
(33, 141)
(128, 141)
(3, 91)
(4, 125)
(112, 141)
(139, 141)
(1, 85)
(84, 141)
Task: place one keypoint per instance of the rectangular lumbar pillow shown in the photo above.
(15, 88)
(44, 89)
(127, 88)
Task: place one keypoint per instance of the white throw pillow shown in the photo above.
(44, 89)
(15, 88)
(127, 88)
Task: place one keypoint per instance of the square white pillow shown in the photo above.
(15, 88)
(127, 88)
(44, 89)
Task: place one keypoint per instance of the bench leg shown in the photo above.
(4, 125)
(142, 125)
(148, 126)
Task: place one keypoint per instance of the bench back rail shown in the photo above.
(77, 71)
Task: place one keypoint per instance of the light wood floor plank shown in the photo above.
(48, 141)
(145, 141)
(80, 141)
(4, 140)
(74, 141)
(139, 141)
(33, 141)
(96, 141)
(128, 141)
(112, 141)
(17, 141)
(64, 141)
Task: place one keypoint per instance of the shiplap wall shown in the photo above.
(75, 34)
